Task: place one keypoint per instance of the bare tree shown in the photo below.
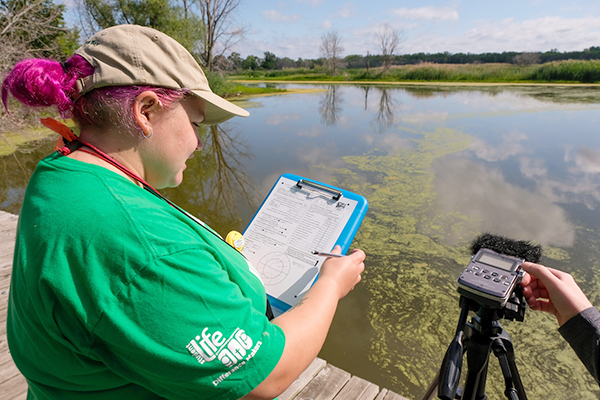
(29, 29)
(388, 40)
(331, 49)
(527, 58)
(221, 32)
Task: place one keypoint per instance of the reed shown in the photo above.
(568, 71)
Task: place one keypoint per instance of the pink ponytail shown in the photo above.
(44, 83)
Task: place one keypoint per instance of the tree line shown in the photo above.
(209, 30)
(270, 61)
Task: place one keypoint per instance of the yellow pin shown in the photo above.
(235, 240)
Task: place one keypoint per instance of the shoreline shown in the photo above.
(419, 83)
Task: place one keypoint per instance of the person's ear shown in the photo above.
(144, 108)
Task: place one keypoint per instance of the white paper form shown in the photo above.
(291, 223)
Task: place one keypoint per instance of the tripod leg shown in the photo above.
(478, 352)
(503, 349)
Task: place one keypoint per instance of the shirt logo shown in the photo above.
(208, 346)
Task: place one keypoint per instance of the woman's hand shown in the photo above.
(344, 272)
(553, 291)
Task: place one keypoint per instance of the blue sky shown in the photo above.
(293, 28)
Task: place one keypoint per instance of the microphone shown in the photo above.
(510, 247)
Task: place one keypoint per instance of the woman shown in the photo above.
(116, 293)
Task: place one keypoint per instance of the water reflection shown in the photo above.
(489, 203)
(387, 105)
(330, 106)
(16, 169)
(438, 166)
(216, 186)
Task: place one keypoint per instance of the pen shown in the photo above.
(325, 254)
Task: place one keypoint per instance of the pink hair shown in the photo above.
(45, 83)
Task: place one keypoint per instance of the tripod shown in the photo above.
(478, 338)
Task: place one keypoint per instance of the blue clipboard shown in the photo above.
(297, 216)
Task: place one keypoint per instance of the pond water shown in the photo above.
(439, 165)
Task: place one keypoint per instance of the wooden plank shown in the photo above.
(387, 395)
(326, 385)
(5, 356)
(14, 387)
(382, 394)
(8, 370)
(313, 369)
(358, 389)
(20, 397)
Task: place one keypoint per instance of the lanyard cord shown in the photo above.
(77, 144)
(70, 143)
(100, 154)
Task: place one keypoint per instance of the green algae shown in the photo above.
(411, 272)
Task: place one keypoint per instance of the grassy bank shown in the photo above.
(228, 89)
(569, 71)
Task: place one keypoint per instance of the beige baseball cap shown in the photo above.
(137, 55)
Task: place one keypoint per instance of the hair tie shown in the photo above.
(65, 66)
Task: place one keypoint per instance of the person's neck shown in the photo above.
(123, 150)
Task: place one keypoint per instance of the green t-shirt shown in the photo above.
(117, 295)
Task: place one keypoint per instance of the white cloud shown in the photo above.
(348, 10)
(312, 3)
(494, 205)
(276, 16)
(391, 142)
(427, 13)
(533, 169)
(327, 24)
(510, 146)
(582, 185)
(311, 132)
(538, 34)
(278, 119)
(588, 160)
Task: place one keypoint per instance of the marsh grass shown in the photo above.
(569, 71)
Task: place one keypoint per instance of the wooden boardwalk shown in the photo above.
(320, 381)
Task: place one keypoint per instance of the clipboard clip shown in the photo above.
(336, 193)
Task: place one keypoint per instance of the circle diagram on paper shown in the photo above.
(274, 268)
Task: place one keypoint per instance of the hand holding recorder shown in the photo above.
(553, 291)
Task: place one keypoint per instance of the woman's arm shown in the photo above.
(306, 324)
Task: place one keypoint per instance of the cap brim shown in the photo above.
(218, 109)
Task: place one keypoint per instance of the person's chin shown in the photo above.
(177, 179)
